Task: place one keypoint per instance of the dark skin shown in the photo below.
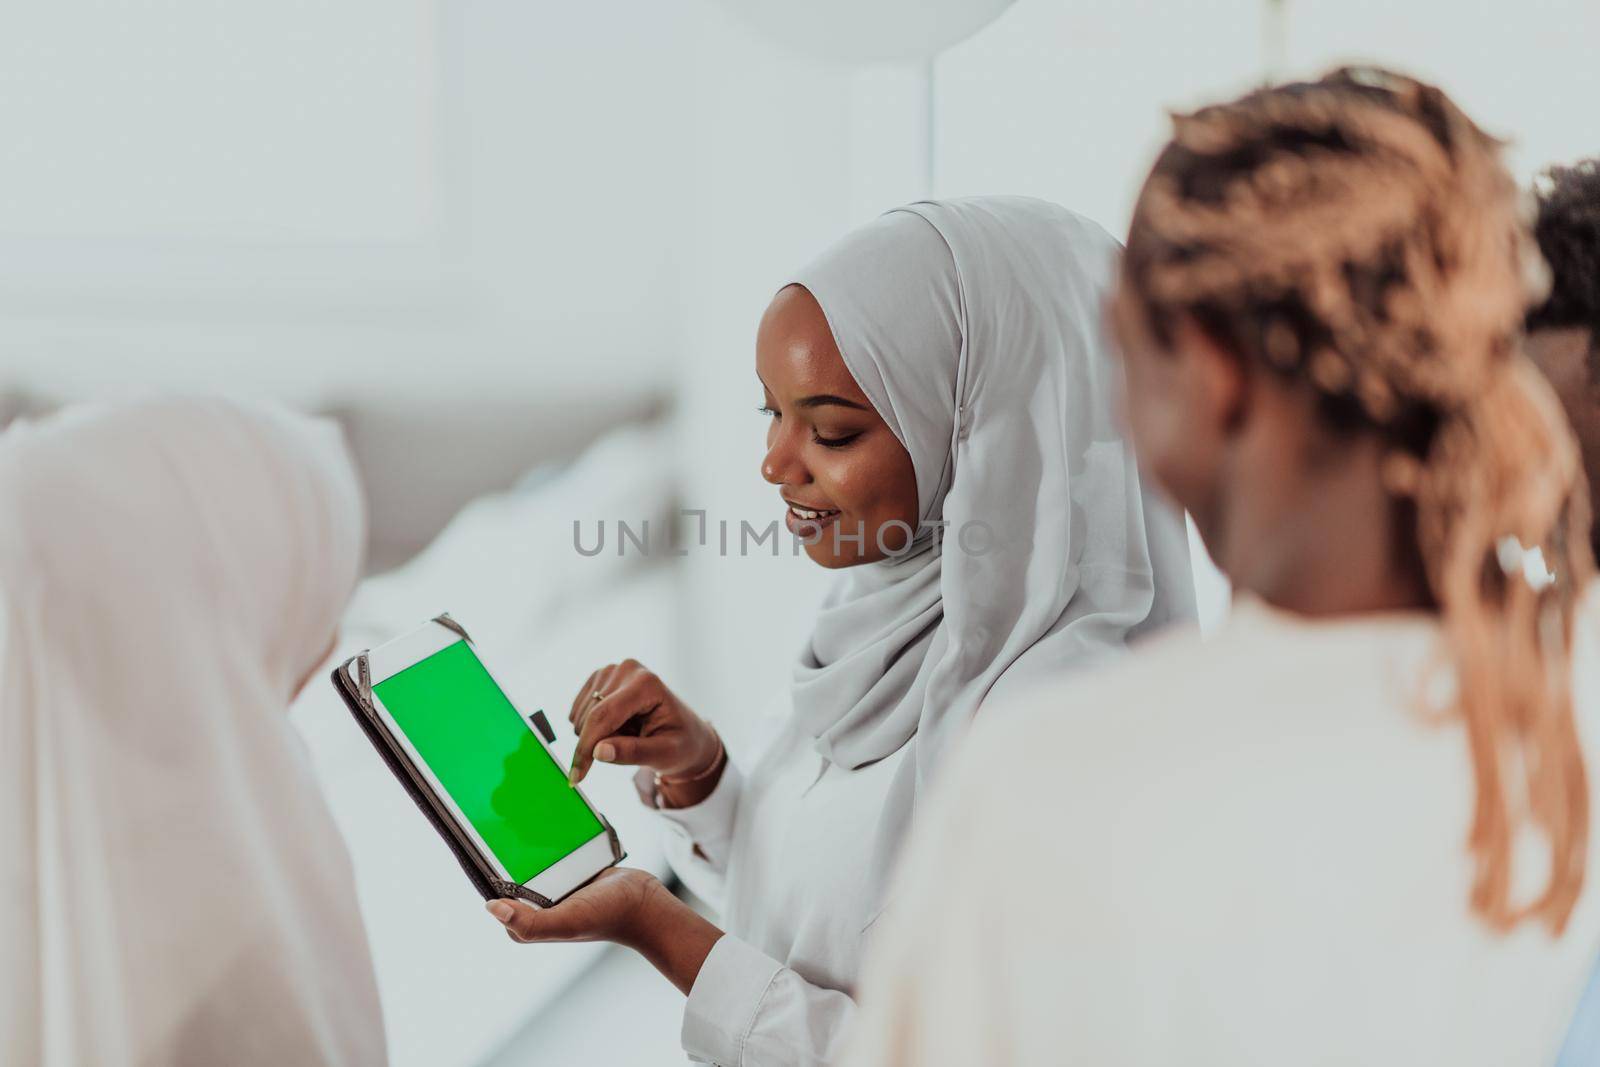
(1562, 355)
(837, 467)
(1282, 501)
(828, 452)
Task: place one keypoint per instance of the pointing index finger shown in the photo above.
(603, 720)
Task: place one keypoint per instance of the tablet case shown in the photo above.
(358, 698)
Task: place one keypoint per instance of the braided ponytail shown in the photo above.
(1502, 521)
(1359, 234)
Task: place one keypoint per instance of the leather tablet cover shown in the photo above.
(357, 696)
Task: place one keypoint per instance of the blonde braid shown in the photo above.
(1504, 476)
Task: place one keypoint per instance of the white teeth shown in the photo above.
(811, 515)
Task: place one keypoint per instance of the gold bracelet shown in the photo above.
(716, 762)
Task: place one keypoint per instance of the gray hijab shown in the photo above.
(974, 327)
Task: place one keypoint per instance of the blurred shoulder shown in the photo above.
(1038, 746)
(1158, 676)
(1182, 709)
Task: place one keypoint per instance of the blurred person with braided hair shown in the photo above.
(1354, 825)
(1564, 342)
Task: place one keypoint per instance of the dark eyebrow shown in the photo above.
(828, 399)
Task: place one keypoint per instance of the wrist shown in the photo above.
(707, 757)
(672, 936)
(647, 923)
(691, 787)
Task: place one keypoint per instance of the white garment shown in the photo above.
(1260, 858)
(786, 851)
(174, 890)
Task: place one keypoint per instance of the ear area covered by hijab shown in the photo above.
(174, 889)
(975, 328)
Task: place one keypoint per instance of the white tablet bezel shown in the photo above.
(555, 881)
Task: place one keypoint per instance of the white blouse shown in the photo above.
(785, 851)
(1247, 851)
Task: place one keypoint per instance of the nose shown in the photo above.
(782, 464)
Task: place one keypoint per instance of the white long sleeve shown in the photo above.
(699, 838)
(748, 1010)
(782, 855)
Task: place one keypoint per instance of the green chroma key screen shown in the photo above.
(506, 783)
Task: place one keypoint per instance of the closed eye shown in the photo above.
(825, 442)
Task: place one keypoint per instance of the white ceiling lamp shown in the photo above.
(865, 31)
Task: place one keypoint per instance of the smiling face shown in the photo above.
(838, 467)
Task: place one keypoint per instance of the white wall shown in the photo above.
(1525, 72)
(791, 153)
(1066, 100)
(304, 197)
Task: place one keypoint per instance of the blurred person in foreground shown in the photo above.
(1564, 342)
(173, 890)
(1354, 826)
(945, 363)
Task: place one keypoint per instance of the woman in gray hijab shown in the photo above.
(942, 432)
